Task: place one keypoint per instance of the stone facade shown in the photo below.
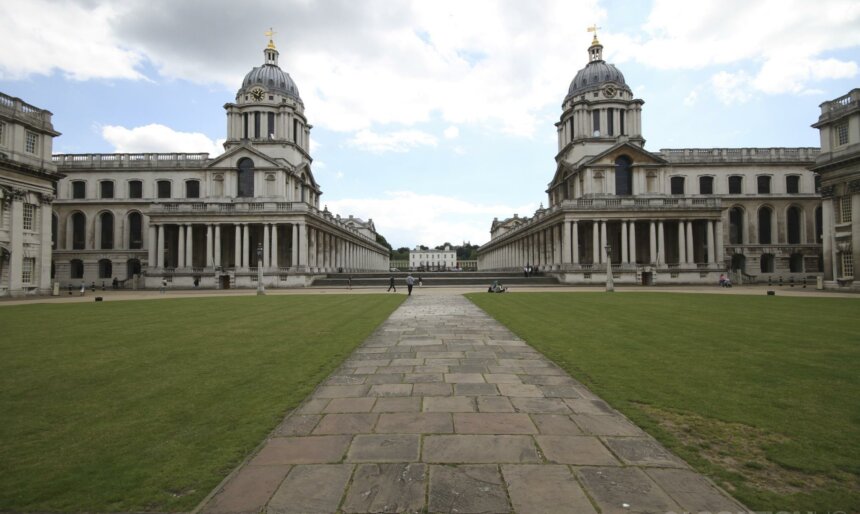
(673, 216)
(433, 259)
(839, 167)
(27, 181)
(197, 221)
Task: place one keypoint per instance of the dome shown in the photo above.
(273, 78)
(594, 76)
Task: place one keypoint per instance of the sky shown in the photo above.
(432, 117)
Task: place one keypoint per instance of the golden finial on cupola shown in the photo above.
(594, 29)
(269, 33)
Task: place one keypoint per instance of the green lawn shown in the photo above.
(147, 405)
(761, 393)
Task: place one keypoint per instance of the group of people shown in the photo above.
(528, 270)
(410, 282)
(725, 281)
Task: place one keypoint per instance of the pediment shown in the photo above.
(638, 155)
(230, 158)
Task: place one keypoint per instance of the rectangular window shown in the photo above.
(29, 216)
(595, 122)
(610, 121)
(295, 131)
(572, 134)
(271, 125)
(792, 184)
(845, 209)
(763, 182)
(677, 185)
(135, 189)
(163, 189)
(621, 130)
(736, 185)
(257, 125)
(32, 138)
(847, 264)
(245, 125)
(192, 189)
(106, 189)
(27, 267)
(79, 189)
(706, 185)
(842, 134)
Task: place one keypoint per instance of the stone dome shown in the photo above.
(272, 78)
(594, 76)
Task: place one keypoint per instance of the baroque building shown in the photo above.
(199, 221)
(838, 164)
(27, 183)
(673, 216)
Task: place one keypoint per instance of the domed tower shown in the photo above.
(269, 113)
(598, 111)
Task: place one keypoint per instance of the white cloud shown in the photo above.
(732, 88)
(406, 218)
(451, 132)
(791, 75)
(159, 138)
(692, 97)
(399, 141)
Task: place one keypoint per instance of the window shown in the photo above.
(792, 184)
(842, 134)
(135, 231)
(257, 125)
(677, 184)
(621, 130)
(79, 189)
(795, 263)
(79, 231)
(847, 264)
(793, 225)
(270, 125)
(192, 189)
(766, 263)
(736, 226)
(763, 182)
(819, 225)
(245, 178)
(2, 133)
(135, 189)
(245, 124)
(595, 122)
(106, 220)
(817, 183)
(54, 230)
(764, 233)
(30, 143)
(105, 268)
(706, 185)
(27, 267)
(295, 131)
(76, 268)
(163, 188)
(736, 185)
(623, 176)
(572, 134)
(106, 189)
(845, 209)
(29, 216)
(610, 121)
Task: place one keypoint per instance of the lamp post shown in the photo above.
(610, 286)
(260, 289)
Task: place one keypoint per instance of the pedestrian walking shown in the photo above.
(83, 288)
(349, 282)
(163, 285)
(420, 282)
(526, 271)
(391, 284)
(409, 283)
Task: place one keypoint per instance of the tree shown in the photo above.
(381, 240)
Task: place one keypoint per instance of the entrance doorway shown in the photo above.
(647, 278)
(225, 281)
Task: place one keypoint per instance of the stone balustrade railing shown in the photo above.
(131, 160)
(735, 155)
(662, 203)
(11, 103)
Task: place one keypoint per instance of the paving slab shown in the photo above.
(442, 409)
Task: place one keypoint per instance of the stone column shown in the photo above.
(575, 244)
(595, 242)
(16, 258)
(266, 248)
(294, 250)
(718, 247)
(652, 240)
(152, 246)
(624, 248)
(210, 259)
(603, 241)
(274, 262)
(246, 241)
(711, 252)
(827, 222)
(237, 245)
(565, 243)
(661, 244)
(632, 235)
(181, 241)
(46, 215)
(216, 259)
(691, 257)
(682, 245)
(160, 250)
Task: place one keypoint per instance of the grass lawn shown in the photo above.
(761, 393)
(147, 405)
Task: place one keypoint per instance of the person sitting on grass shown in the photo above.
(497, 287)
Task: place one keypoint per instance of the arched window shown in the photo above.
(106, 221)
(623, 176)
(245, 178)
(677, 184)
(736, 185)
(736, 226)
(765, 214)
(105, 268)
(766, 263)
(163, 187)
(706, 185)
(132, 268)
(795, 263)
(793, 224)
(79, 231)
(135, 231)
(76, 268)
(192, 189)
(739, 262)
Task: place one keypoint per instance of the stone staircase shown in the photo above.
(466, 279)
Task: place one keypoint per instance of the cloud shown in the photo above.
(692, 97)
(159, 138)
(400, 141)
(732, 88)
(451, 132)
(791, 75)
(407, 218)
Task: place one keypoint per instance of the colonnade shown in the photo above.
(581, 244)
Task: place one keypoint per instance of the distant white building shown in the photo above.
(433, 259)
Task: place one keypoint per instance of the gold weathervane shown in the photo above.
(269, 33)
(594, 28)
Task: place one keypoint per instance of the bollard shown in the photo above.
(804, 282)
(98, 298)
(771, 293)
(769, 281)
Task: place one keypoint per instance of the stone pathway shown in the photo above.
(444, 410)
